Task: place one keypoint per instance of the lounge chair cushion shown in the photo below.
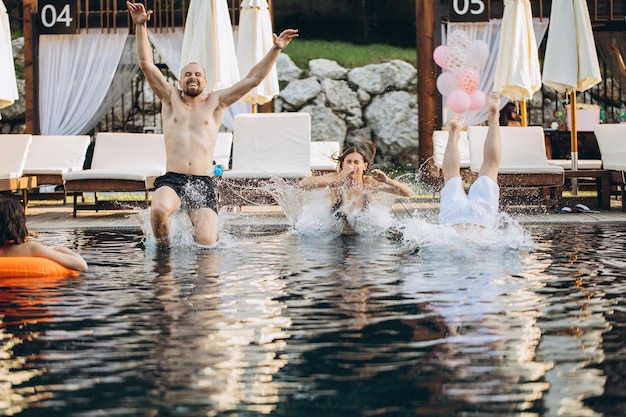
(322, 153)
(582, 163)
(112, 174)
(56, 154)
(269, 145)
(440, 141)
(612, 143)
(125, 156)
(523, 150)
(13, 156)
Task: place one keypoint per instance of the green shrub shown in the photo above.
(346, 54)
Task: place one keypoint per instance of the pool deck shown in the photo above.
(53, 215)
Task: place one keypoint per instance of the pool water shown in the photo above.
(272, 322)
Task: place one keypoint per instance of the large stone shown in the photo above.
(17, 110)
(359, 135)
(405, 75)
(300, 92)
(341, 98)
(286, 69)
(17, 45)
(325, 125)
(374, 78)
(327, 69)
(393, 120)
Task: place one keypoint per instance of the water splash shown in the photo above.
(309, 212)
(421, 232)
(182, 231)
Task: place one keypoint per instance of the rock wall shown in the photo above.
(376, 102)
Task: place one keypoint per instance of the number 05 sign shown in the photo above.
(57, 16)
(469, 10)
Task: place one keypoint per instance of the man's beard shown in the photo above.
(193, 93)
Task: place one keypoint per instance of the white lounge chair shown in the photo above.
(122, 162)
(612, 143)
(15, 148)
(269, 145)
(440, 141)
(322, 153)
(265, 146)
(51, 156)
(582, 163)
(524, 163)
(223, 150)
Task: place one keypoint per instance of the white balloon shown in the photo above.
(446, 83)
(477, 53)
(458, 38)
(455, 59)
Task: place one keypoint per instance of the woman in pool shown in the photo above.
(351, 186)
(14, 234)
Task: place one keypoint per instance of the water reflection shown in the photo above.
(572, 322)
(22, 304)
(233, 349)
(330, 325)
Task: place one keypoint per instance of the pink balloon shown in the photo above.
(477, 100)
(468, 79)
(458, 101)
(440, 56)
(446, 83)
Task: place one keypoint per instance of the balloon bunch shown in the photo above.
(459, 81)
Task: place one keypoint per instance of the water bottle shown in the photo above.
(218, 170)
(602, 115)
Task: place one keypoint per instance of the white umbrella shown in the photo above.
(8, 84)
(571, 60)
(517, 74)
(208, 40)
(254, 41)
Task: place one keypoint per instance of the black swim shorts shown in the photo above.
(195, 191)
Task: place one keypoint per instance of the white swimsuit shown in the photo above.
(479, 206)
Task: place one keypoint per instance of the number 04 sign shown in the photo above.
(57, 16)
(469, 10)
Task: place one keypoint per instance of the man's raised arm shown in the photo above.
(144, 51)
(257, 73)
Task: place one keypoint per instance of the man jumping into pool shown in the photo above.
(480, 206)
(190, 124)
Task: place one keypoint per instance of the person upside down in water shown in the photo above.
(479, 207)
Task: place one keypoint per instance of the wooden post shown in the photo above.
(426, 77)
(30, 7)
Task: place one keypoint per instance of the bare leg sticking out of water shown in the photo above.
(480, 206)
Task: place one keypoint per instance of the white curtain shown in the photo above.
(169, 45)
(488, 32)
(122, 81)
(75, 74)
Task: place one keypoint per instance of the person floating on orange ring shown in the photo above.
(14, 243)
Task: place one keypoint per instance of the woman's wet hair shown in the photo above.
(506, 114)
(366, 149)
(12, 222)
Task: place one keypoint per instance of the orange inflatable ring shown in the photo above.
(21, 267)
